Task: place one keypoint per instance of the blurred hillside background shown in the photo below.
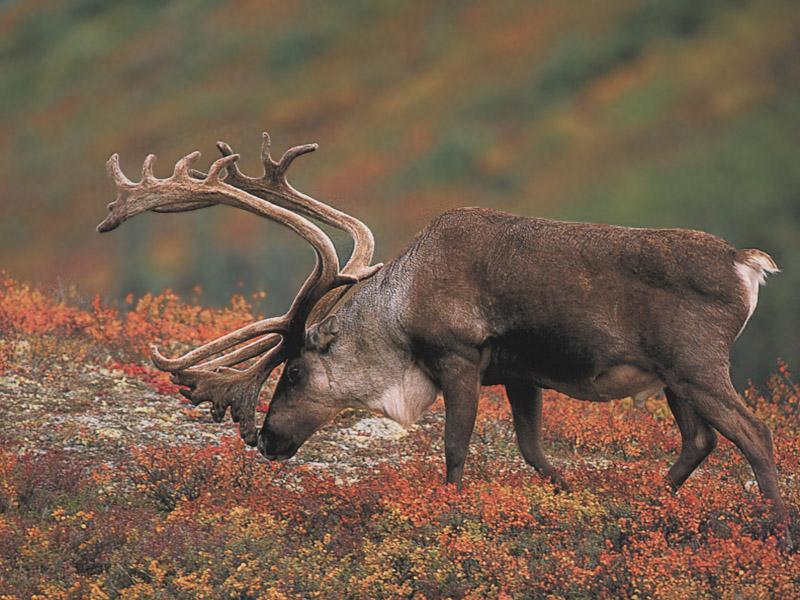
(657, 113)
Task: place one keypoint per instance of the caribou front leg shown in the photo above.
(526, 406)
(460, 383)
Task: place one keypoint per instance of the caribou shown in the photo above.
(480, 297)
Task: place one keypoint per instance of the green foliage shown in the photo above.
(293, 49)
(583, 56)
(649, 113)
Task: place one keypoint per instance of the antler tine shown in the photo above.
(276, 171)
(182, 166)
(115, 171)
(288, 157)
(266, 147)
(147, 168)
(240, 355)
(233, 169)
(222, 163)
(274, 325)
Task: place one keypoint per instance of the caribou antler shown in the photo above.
(270, 196)
(273, 186)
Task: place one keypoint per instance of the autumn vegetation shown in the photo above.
(217, 521)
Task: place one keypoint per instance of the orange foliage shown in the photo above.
(55, 328)
(158, 318)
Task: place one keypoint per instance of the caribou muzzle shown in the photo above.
(275, 446)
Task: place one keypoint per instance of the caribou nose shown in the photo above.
(274, 446)
(266, 452)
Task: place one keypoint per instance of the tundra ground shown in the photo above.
(112, 486)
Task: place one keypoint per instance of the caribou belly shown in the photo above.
(618, 381)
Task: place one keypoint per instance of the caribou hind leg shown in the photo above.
(716, 402)
(526, 407)
(698, 440)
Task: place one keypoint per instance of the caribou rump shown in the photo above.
(481, 297)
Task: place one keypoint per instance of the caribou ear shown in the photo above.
(320, 336)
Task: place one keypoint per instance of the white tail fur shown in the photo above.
(753, 266)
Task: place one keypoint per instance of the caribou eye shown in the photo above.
(294, 374)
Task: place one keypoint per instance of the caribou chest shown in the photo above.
(406, 398)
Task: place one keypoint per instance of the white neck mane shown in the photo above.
(405, 400)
